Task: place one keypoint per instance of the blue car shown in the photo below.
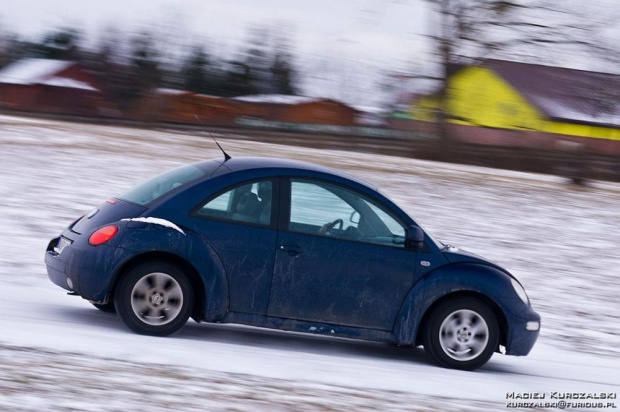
(288, 245)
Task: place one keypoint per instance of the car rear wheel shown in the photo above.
(154, 298)
(461, 333)
(107, 308)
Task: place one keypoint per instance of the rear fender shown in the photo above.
(188, 246)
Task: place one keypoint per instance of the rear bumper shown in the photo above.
(56, 267)
(90, 269)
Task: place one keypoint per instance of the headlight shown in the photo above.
(520, 291)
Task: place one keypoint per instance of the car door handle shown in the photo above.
(291, 249)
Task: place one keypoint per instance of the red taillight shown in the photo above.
(112, 201)
(103, 235)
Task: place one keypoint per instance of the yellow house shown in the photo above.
(527, 97)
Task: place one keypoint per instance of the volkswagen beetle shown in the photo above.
(288, 245)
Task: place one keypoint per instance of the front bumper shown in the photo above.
(520, 338)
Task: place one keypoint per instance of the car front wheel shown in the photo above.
(154, 298)
(461, 333)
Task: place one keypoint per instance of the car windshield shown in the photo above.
(162, 184)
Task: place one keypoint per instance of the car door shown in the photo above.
(355, 272)
(239, 223)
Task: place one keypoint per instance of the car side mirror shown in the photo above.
(414, 238)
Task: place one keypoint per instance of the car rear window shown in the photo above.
(160, 185)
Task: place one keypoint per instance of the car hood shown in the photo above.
(457, 255)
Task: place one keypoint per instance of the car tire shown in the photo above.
(107, 308)
(154, 298)
(461, 333)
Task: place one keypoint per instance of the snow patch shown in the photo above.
(276, 99)
(32, 70)
(155, 221)
(163, 90)
(563, 110)
(68, 83)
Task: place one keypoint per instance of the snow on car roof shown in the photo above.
(32, 70)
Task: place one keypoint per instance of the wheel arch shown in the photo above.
(482, 282)
(502, 322)
(195, 279)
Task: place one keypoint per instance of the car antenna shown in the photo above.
(226, 155)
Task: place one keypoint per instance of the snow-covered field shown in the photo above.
(59, 353)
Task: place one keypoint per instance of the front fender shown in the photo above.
(456, 277)
(142, 237)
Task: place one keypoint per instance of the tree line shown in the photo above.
(130, 65)
(460, 33)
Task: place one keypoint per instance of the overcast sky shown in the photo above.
(356, 39)
(359, 36)
(381, 25)
(376, 29)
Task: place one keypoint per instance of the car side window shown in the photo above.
(394, 226)
(330, 210)
(312, 204)
(244, 203)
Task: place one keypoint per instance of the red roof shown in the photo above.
(41, 71)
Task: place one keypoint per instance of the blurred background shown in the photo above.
(97, 96)
(484, 75)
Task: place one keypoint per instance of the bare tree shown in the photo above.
(466, 32)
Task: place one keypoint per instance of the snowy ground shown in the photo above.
(58, 352)
(113, 383)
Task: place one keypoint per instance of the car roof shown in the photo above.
(252, 163)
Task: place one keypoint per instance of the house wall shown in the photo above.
(477, 96)
(320, 112)
(17, 96)
(50, 99)
(58, 99)
(257, 110)
(76, 72)
(425, 109)
(183, 108)
(210, 110)
(583, 130)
